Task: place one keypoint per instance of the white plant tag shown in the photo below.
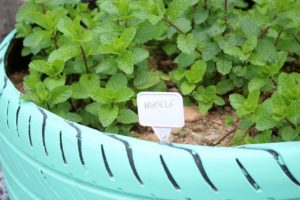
(162, 111)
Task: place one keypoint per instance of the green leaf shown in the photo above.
(186, 43)
(39, 19)
(288, 133)
(224, 86)
(148, 31)
(139, 54)
(108, 114)
(64, 53)
(41, 66)
(127, 116)
(117, 81)
(52, 83)
(73, 117)
(107, 66)
(236, 100)
(184, 60)
(127, 36)
(102, 96)
(239, 137)
(146, 79)
(89, 81)
(177, 74)
(287, 87)
(187, 87)
(263, 137)
(252, 101)
(209, 51)
(177, 7)
(278, 105)
(219, 101)
(249, 27)
(123, 95)
(266, 51)
(204, 107)
(197, 72)
(250, 44)
(93, 108)
(126, 62)
(257, 83)
(224, 66)
(60, 94)
(79, 91)
(37, 40)
(200, 15)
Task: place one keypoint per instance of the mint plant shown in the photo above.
(89, 64)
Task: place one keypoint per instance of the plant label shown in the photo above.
(162, 111)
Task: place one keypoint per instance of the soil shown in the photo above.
(209, 130)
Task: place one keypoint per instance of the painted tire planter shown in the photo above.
(46, 157)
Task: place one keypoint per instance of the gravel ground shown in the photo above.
(7, 20)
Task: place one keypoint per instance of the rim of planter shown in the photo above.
(47, 157)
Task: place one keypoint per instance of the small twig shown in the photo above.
(235, 126)
(291, 123)
(278, 37)
(85, 60)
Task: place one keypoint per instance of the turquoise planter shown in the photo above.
(45, 157)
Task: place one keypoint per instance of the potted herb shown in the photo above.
(88, 62)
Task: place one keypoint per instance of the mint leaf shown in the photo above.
(187, 87)
(186, 43)
(64, 53)
(108, 114)
(144, 80)
(127, 116)
(117, 81)
(288, 133)
(139, 54)
(197, 72)
(79, 91)
(127, 36)
(236, 100)
(60, 94)
(126, 62)
(123, 95)
(224, 66)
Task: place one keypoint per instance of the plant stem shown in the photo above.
(278, 37)
(297, 40)
(55, 40)
(44, 10)
(84, 60)
(178, 30)
(291, 123)
(174, 26)
(205, 4)
(225, 9)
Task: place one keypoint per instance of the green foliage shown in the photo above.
(87, 65)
